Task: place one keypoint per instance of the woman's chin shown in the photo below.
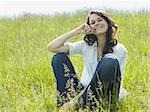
(100, 33)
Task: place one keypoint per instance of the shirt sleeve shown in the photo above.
(76, 47)
(121, 54)
(122, 58)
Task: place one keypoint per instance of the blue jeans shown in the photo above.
(105, 83)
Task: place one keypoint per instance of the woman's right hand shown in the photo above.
(84, 29)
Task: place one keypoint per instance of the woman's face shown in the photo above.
(98, 24)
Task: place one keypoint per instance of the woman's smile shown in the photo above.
(98, 27)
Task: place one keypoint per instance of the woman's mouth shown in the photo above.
(100, 27)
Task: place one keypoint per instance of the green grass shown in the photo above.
(27, 83)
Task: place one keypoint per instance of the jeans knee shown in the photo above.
(108, 69)
(109, 63)
(58, 57)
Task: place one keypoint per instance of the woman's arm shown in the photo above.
(57, 45)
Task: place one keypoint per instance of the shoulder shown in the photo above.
(76, 47)
(81, 42)
(78, 43)
(120, 47)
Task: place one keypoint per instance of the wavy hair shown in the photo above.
(110, 34)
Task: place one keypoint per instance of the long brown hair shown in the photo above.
(110, 34)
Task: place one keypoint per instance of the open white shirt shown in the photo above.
(89, 54)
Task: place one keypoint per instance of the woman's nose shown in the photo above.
(96, 23)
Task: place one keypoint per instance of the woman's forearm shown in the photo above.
(58, 44)
(59, 41)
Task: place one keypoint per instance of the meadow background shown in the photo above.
(27, 82)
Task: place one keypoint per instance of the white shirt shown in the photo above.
(89, 54)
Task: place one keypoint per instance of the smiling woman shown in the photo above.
(104, 63)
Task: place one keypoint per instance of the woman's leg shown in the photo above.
(105, 83)
(67, 83)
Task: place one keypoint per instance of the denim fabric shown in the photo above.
(105, 82)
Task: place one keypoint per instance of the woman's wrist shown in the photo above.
(76, 31)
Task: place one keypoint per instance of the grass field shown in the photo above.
(27, 83)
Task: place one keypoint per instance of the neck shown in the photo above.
(101, 39)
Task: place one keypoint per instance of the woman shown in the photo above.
(104, 61)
